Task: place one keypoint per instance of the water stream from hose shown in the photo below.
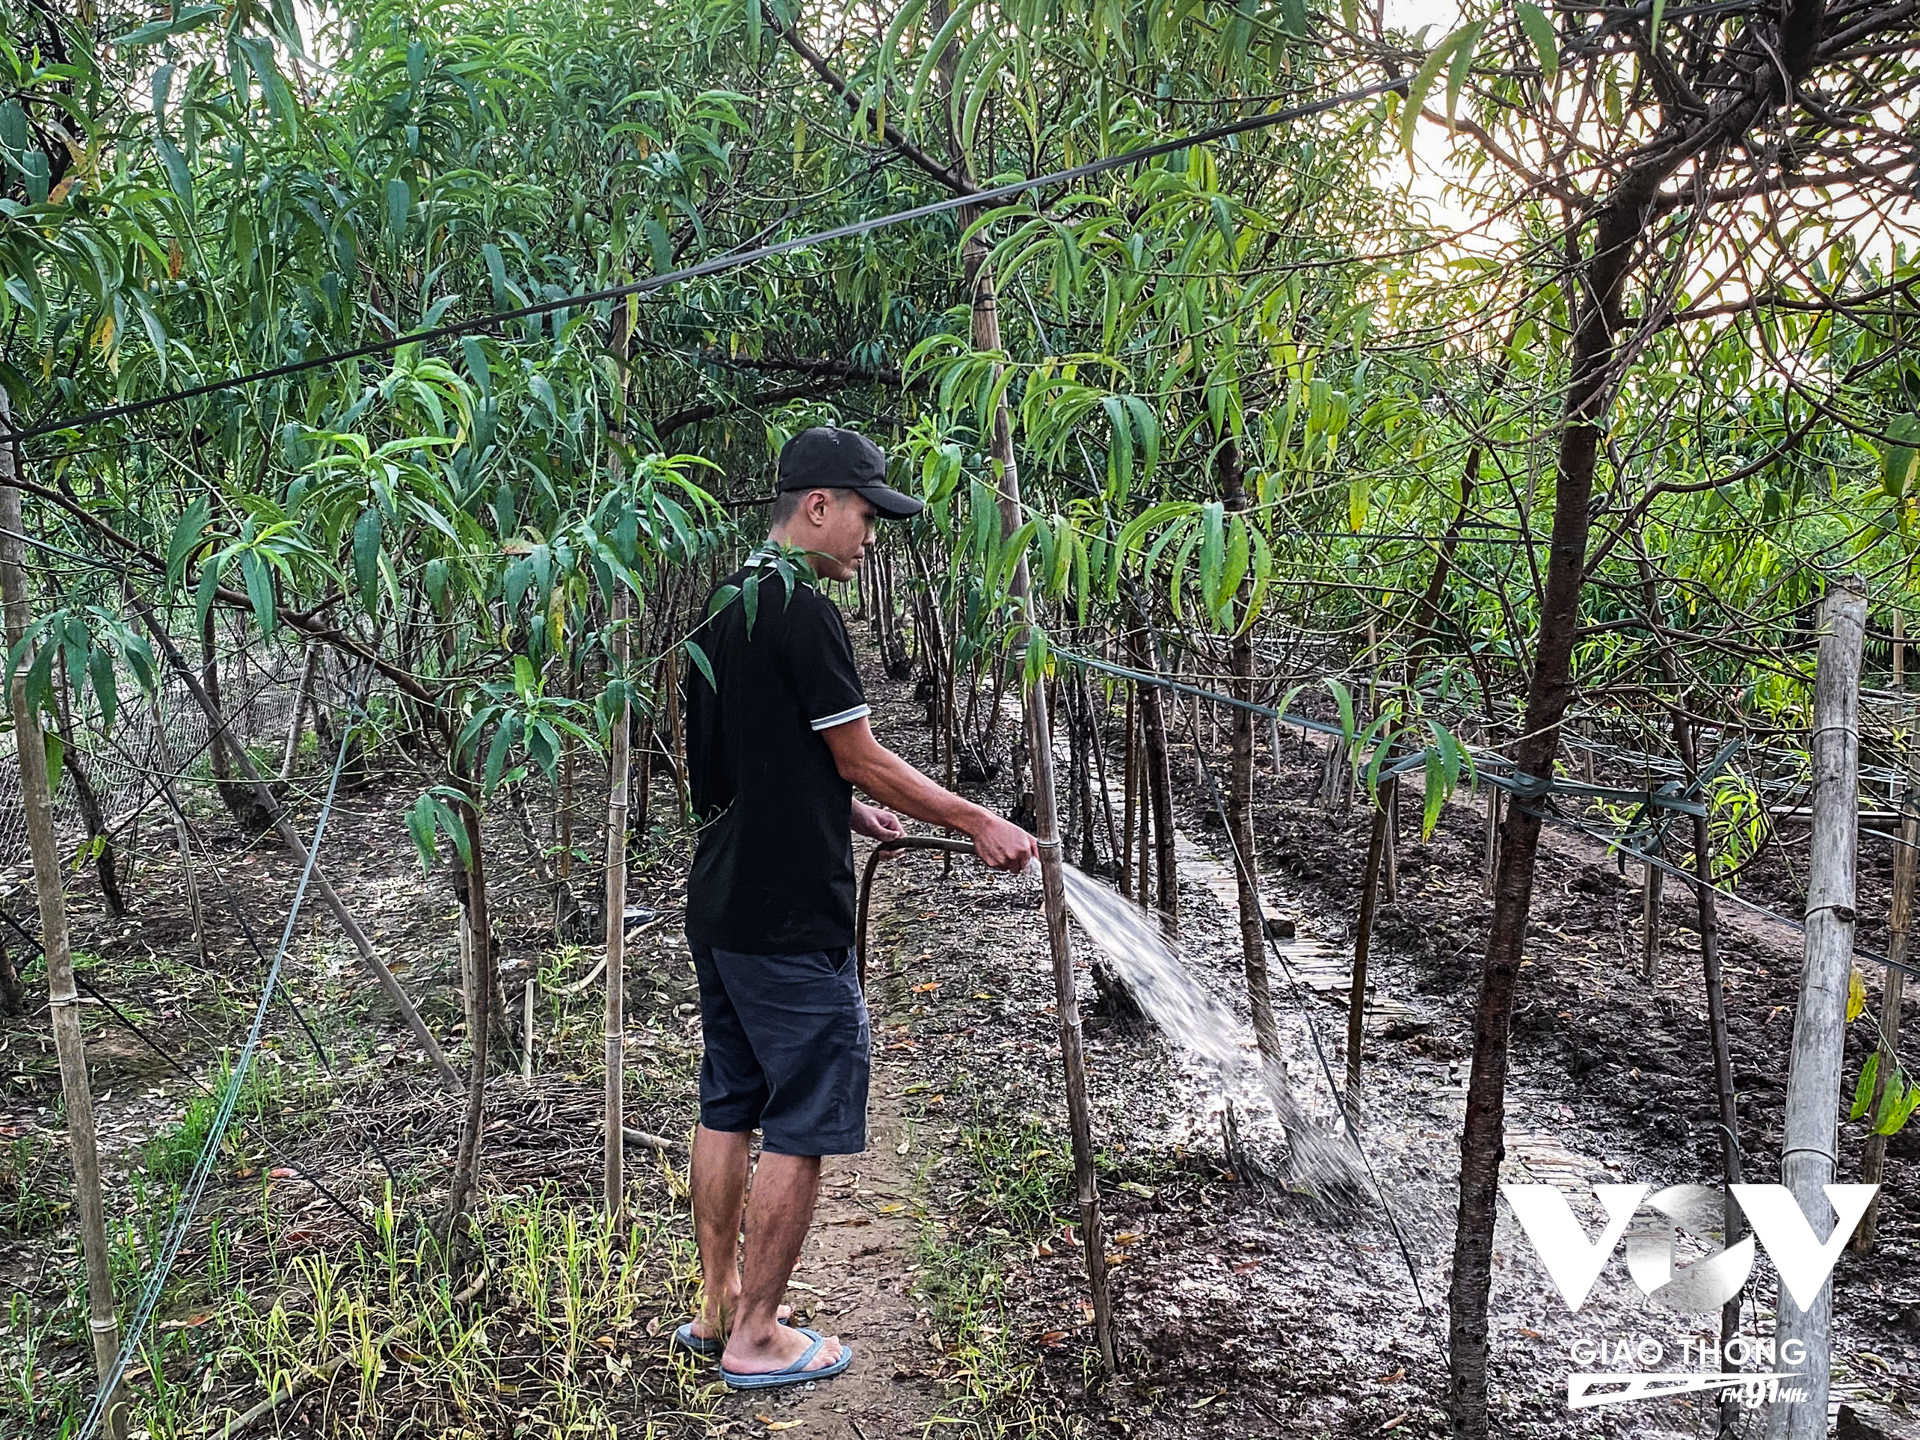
(1322, 1163)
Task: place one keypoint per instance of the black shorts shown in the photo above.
(787, 1049)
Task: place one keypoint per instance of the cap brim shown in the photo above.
(891, 503)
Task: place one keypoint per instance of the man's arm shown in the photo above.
(865, 762)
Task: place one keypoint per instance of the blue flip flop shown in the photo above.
(796, 1373)
(707, 1347)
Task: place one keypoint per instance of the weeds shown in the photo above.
(30, 1204)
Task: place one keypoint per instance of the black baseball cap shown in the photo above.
(829, 458)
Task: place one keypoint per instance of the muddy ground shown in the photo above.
(950, 1254)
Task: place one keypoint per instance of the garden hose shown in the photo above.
(909, 842)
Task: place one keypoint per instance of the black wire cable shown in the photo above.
(717, 264)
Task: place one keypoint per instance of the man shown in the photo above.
(775, 747)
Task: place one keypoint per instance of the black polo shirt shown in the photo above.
(773, 870)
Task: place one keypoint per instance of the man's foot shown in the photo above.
(779, 1349)
(712, 1321)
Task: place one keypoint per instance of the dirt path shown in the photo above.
(855, 1276)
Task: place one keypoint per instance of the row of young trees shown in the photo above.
(1590, 456)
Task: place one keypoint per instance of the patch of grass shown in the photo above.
(33, 1197)
(171, 1156)
(1023, 1175)
(992, 1372)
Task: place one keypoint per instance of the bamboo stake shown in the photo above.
(1652, 883)
(183, 842)
(1873, 1159)
(309, 669)
(63, 997)
(1130, 767)
(986, 326)
(526, 1029)
(1362, 943)
(1808, 1153)
(613, 1177)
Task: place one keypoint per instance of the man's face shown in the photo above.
(837, 526)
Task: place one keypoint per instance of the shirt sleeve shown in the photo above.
(820, 665)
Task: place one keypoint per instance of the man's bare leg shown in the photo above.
(784, 1190)
(718, 1179)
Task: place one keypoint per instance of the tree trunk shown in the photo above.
(1812, 1137)
(63, 997)
(290, 837)
(1100, 770)
(1153, 722)
(249, 812)
(1732, 1171)
(1130, 764)
(99, 836)
(1598, 284)
(1652, 883)
(1246, 859)
(189, 881)
(479, 1013)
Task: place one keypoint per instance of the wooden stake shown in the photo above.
(1494, 807)
(1873, 1159)
(309, 669)
(613, 1175)
(1899, 649)
(1732, 1171)
(1362, 943)
(986, 336)
(1652, 883)
(1130, 768)
(183, 841)
(63, 996)
(526, 1028)
(1819, 1022)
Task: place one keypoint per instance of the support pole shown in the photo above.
(986, 337)
(1362, 944)
(613, 1178)
(1652, 883)
(63, 998)
(1873, 1159)
(1807, 1156)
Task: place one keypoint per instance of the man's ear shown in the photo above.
(818, 503)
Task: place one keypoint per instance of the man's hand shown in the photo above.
(876, 824)
(1003, 845)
